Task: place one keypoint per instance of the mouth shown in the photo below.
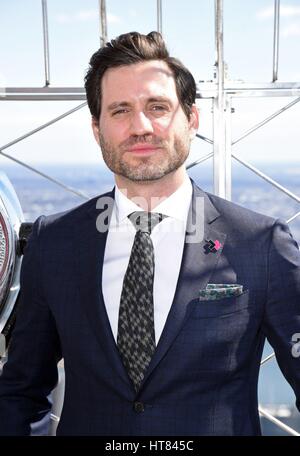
(143, 149)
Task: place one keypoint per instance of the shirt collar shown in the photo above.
(175, 206)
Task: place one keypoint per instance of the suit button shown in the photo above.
(138, 407)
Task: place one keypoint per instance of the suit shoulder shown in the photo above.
(239, 215)
(60, 223)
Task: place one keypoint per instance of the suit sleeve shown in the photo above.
(282, 315)
(30, 373)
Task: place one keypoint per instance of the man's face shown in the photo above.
(143, 131)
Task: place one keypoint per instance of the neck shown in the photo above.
(148, 194)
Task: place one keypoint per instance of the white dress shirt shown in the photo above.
(168, 242)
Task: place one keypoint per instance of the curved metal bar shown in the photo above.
(46, 90)
(46, 43)
(204, 138)
(293, 218)
(51, 179)
(260, 124)
(271, 356)
(276, 39)
(42, 93)
(43, 97)
(200, 160)
(221, 157)
(159, 16)
(103, 22)
(278, 423)
(47, 124)
(267, 178)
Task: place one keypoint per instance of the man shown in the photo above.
(160, 302)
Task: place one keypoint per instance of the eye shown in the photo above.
(120, 111)
(159, 108)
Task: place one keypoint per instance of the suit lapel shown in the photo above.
(195, 271)
(91, 244)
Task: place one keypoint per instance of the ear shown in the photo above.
(95, 128)
(194, 121)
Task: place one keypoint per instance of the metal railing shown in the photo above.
(220, 91)
(46, 43)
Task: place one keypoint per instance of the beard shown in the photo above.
(154, 167)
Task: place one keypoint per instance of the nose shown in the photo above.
(140, 124)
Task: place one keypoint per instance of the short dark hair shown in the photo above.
(131, 48)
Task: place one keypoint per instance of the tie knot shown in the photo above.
(145, 221)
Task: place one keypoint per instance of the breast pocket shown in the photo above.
(218, 307)
(218, 335)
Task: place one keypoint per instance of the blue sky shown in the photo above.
(188, 28)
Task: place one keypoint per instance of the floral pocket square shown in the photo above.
(214, 291)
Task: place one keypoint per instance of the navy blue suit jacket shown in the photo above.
(202, 379)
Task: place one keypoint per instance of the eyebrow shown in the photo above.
(125, 104)
(160, 99)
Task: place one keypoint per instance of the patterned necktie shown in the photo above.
(136, 337)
